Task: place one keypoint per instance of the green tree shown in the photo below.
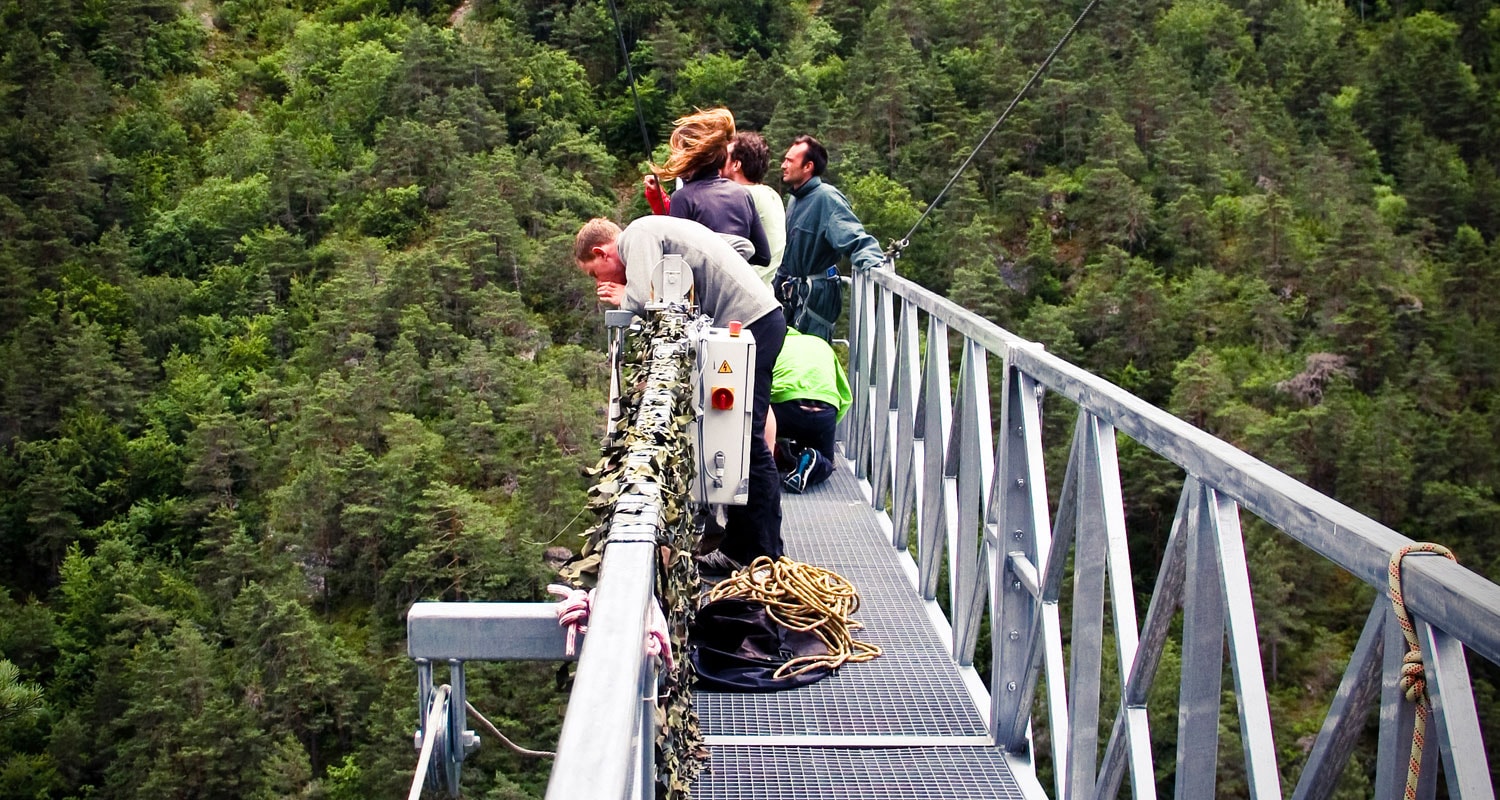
(182, 732)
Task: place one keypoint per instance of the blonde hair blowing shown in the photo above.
(597, 232)
(700, 140)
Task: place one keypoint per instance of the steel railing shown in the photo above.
(925, 439)
(607, 745)
(608, 740)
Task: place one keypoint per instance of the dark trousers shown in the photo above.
(809, 423)
(754, 529)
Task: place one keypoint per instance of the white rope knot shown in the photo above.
(572, 612)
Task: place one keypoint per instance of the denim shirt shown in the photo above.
(821, 228)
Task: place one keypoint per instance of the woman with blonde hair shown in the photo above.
(699, 148)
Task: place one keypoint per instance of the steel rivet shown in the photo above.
(1017, 536)
(1014, 635)
(1021, 483)
(1015, 584)
(1010, 687)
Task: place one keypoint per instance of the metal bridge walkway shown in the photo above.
(901, 726)
(971, 486)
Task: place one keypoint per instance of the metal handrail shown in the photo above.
(607, 745)
(921, 434)
(600, 752)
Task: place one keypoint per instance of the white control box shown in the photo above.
(723, 399)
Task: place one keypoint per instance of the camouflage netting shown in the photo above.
(661, 360)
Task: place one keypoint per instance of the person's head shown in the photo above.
(748, 158)
(594, 250)
(805, 159)
(699, 141)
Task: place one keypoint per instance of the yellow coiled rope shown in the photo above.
(805, 598)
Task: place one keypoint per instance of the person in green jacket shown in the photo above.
(821, 229)
(809, 395)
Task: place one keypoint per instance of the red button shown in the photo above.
(723, 398)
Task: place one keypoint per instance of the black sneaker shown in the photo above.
(796, 480)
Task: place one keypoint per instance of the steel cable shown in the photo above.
(437, 720)
(901, 243)
(640, 117)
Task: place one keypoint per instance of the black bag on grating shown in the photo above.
(737, 647)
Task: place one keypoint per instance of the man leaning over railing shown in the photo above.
(728, 289)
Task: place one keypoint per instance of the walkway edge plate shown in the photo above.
(732, 740)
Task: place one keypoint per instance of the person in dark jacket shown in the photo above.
(700, 147)
(821, 229)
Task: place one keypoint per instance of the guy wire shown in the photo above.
(901, 243)
(640, 117)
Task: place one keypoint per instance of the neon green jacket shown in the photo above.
(808, 369)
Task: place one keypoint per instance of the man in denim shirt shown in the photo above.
(820, 230)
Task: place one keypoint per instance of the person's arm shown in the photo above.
(655, 197)
(684, 207)
(640, 253)
(758, 238)
(848, 236)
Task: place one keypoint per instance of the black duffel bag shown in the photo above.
(737, 647)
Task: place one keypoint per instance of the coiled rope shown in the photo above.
(806, 598)
(1413, 674)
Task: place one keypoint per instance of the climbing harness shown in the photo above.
(1413, 675)
(796, 292)
(898, 245)
(806, 598)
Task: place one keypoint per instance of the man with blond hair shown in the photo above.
(728, 290)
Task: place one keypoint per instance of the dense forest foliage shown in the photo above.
(290, 337)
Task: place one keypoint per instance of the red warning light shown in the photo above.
(723, 398)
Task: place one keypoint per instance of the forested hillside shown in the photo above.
(290, 336)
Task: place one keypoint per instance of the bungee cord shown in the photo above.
(900, 244)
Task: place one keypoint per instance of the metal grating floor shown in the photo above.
(913, 690)
(901, 773)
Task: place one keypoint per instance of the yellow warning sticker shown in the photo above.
(724, 368)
